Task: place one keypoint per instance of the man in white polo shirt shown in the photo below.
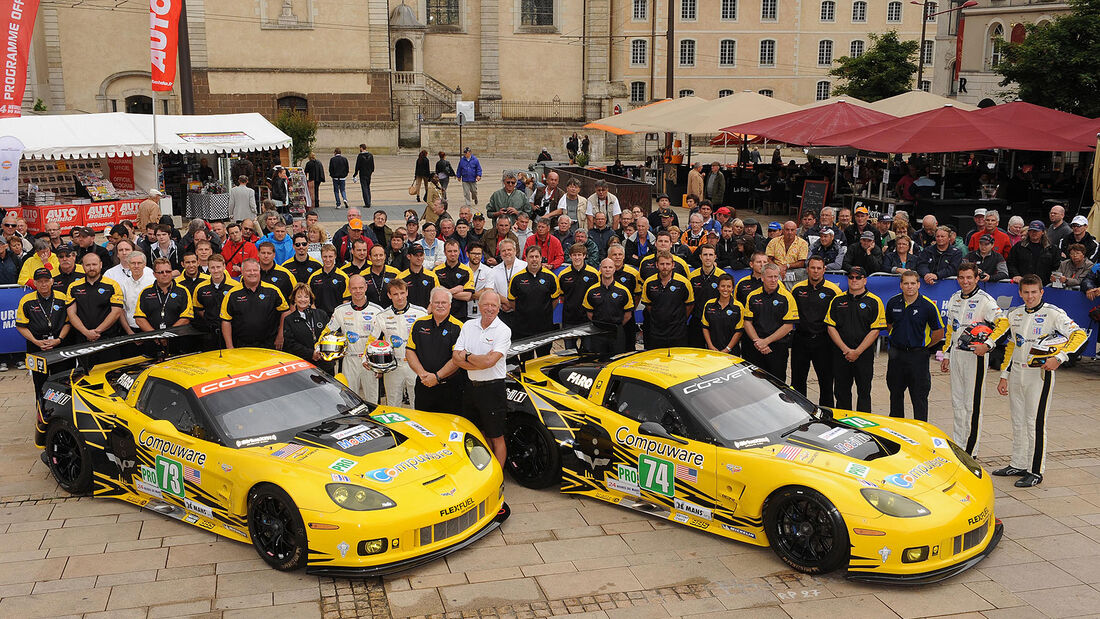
(480, 350)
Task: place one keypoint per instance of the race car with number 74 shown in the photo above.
(709, 441)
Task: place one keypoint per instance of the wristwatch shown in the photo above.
(467, 356)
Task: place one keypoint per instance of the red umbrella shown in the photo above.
(805, 126)
(947, 130)
(1083, 133)
(1037, 116)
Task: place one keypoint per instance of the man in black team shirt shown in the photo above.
(811, 343)
(272, 273)
(330, 284)
(668, 300)
(456, 278)
(420, 280)
(608, 304)
(300, 265)
(770, 315)
(41, 318)
(252, 313)
(378, 275)
(431, 345)
(753, 280)
(534, 292)
(208, 303)
(165, 303)
(95, 306)
(574, 281)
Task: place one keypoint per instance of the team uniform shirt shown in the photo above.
(911, 325)
(1029, 326)
(280, 278)
(350, 268)
(302, 269)
(608, 303)
(192, 284)
(855, 316)
(433, 342)
(534, 296)
(394, 326)
(255, 315)
(648, 266)
(476, 340)
(631, 279)
(163, 309)
(62, 281)
(813, 304)
(329, 289)
(356, 322)
(666, 305)
(768, 311)
(420, 285)
(574, 285)
(208, 297)
(95, 301)
(964, 311)
(458, 275)
(44, 317)
(705, 287)
(722, 322)
(376, 285)
(745, 286)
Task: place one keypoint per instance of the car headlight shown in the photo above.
(893, 504)
(966, 459)
(479, 455)
(358, 498)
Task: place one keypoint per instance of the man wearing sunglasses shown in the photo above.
(165, 303)
(10, 230)
(853, 321)
(508, 200)
(300, 265)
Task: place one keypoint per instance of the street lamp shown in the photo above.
(924, 28)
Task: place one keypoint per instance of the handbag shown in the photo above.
(412, 189)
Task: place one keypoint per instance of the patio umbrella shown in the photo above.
(636, 120)
(915, 102)
(710, 117)
(1037, 116)
(945, 130)
(805, 125)
(835, 98)
(1083, 133)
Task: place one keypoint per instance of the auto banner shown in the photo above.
(18, 18)
(163, 36)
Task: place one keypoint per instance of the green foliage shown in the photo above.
(1055, 65)
(301, 128)
(581, 159)
(885, 69)
(39, 105)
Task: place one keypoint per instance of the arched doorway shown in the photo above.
(987, 102)
(139, 104)
(403, 56)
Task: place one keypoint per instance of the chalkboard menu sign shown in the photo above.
(813, 197)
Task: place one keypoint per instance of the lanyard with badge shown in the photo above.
(47, 314)
(163, 302)
(474, 311)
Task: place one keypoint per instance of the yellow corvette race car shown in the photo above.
(717, 444)
(264, 448)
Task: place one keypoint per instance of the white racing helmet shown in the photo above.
(1046, 347)
(332, 346)
(380, 356)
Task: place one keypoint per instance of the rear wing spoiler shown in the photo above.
(528, 344)
(42, 361)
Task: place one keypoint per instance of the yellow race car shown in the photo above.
(264, 448)
(717, 444)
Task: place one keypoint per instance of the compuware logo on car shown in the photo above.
(387, 475)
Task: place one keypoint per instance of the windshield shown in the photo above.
(299, 399)
(739, 403)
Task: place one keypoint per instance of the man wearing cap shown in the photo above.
(789, 251)
(149, 210)
(655, 217)
(853, 322)
(84, 238)
(68, 271)
(775, 230)
(991, 265)
(915, 329)
(853, 232)
(752, 228)
(346, 248)
(811, 343)
(829, 250)
(722, 215)
(770, 315)
(695, 181)
(1034, 255)
(886, 236)
(509, 200)
(477, 227)
(979, 224)
(939, 260)
(41, 318)
(1080, 234)
(1058, 229)
(866, 253)
(603, 201)
(716, 185)
(420, 281)
(469, 172)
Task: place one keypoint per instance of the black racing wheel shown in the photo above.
(276, 528)
(533, 457)
(806, 530)
(66, 454)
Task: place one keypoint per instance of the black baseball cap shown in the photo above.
(64, 248)
(416, 248)
(42, 274)
(857, 272)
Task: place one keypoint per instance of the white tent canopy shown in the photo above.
(73, 136)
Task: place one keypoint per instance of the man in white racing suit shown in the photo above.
(393, 325)
(355, 319)
(1030, 389)
(967, 362)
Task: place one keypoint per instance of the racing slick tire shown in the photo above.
(806, 530)
(276, 528)
(66, 454)
(534, 460)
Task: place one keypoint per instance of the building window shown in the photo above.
(727, 53)
(822, 91)
(893, 13)
(639, 52)
(828, 10)
(996, 45)
(641, 10)
(856, 49)
(294, 104)
(926, 52)
(729, 10)
(687, 10)
(925, 85)
(442, 12)
(825, 52)
(139, 104)
(767, 92)
(537, 12)
(687, 92)
(637, 92)
(687, 53)
(859, 12)
(930, 9)
(725, 92)
(769, 10)
(767, 53)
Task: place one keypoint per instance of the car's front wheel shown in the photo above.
(533, 457)
(67, 456)
(806, 530)
(276, 527)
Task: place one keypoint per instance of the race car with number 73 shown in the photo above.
(261, 447)
(709, 441)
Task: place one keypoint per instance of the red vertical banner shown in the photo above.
(164, 18)
(18, 26)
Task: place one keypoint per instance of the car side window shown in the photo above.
(163, 400)
(643, 403)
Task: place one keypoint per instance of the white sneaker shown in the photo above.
(3, 367)
(20, 366)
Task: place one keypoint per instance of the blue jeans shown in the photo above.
(339, 189)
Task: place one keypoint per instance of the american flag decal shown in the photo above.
(790, 452)
(687, 474)
(192, 475)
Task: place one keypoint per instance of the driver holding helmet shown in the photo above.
(393, 325)
(355, 319)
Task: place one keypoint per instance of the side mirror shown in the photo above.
(162, 427)
(652, 428)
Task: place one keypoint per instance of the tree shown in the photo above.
(301, 128)
(1055, 65)
(884, 70)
